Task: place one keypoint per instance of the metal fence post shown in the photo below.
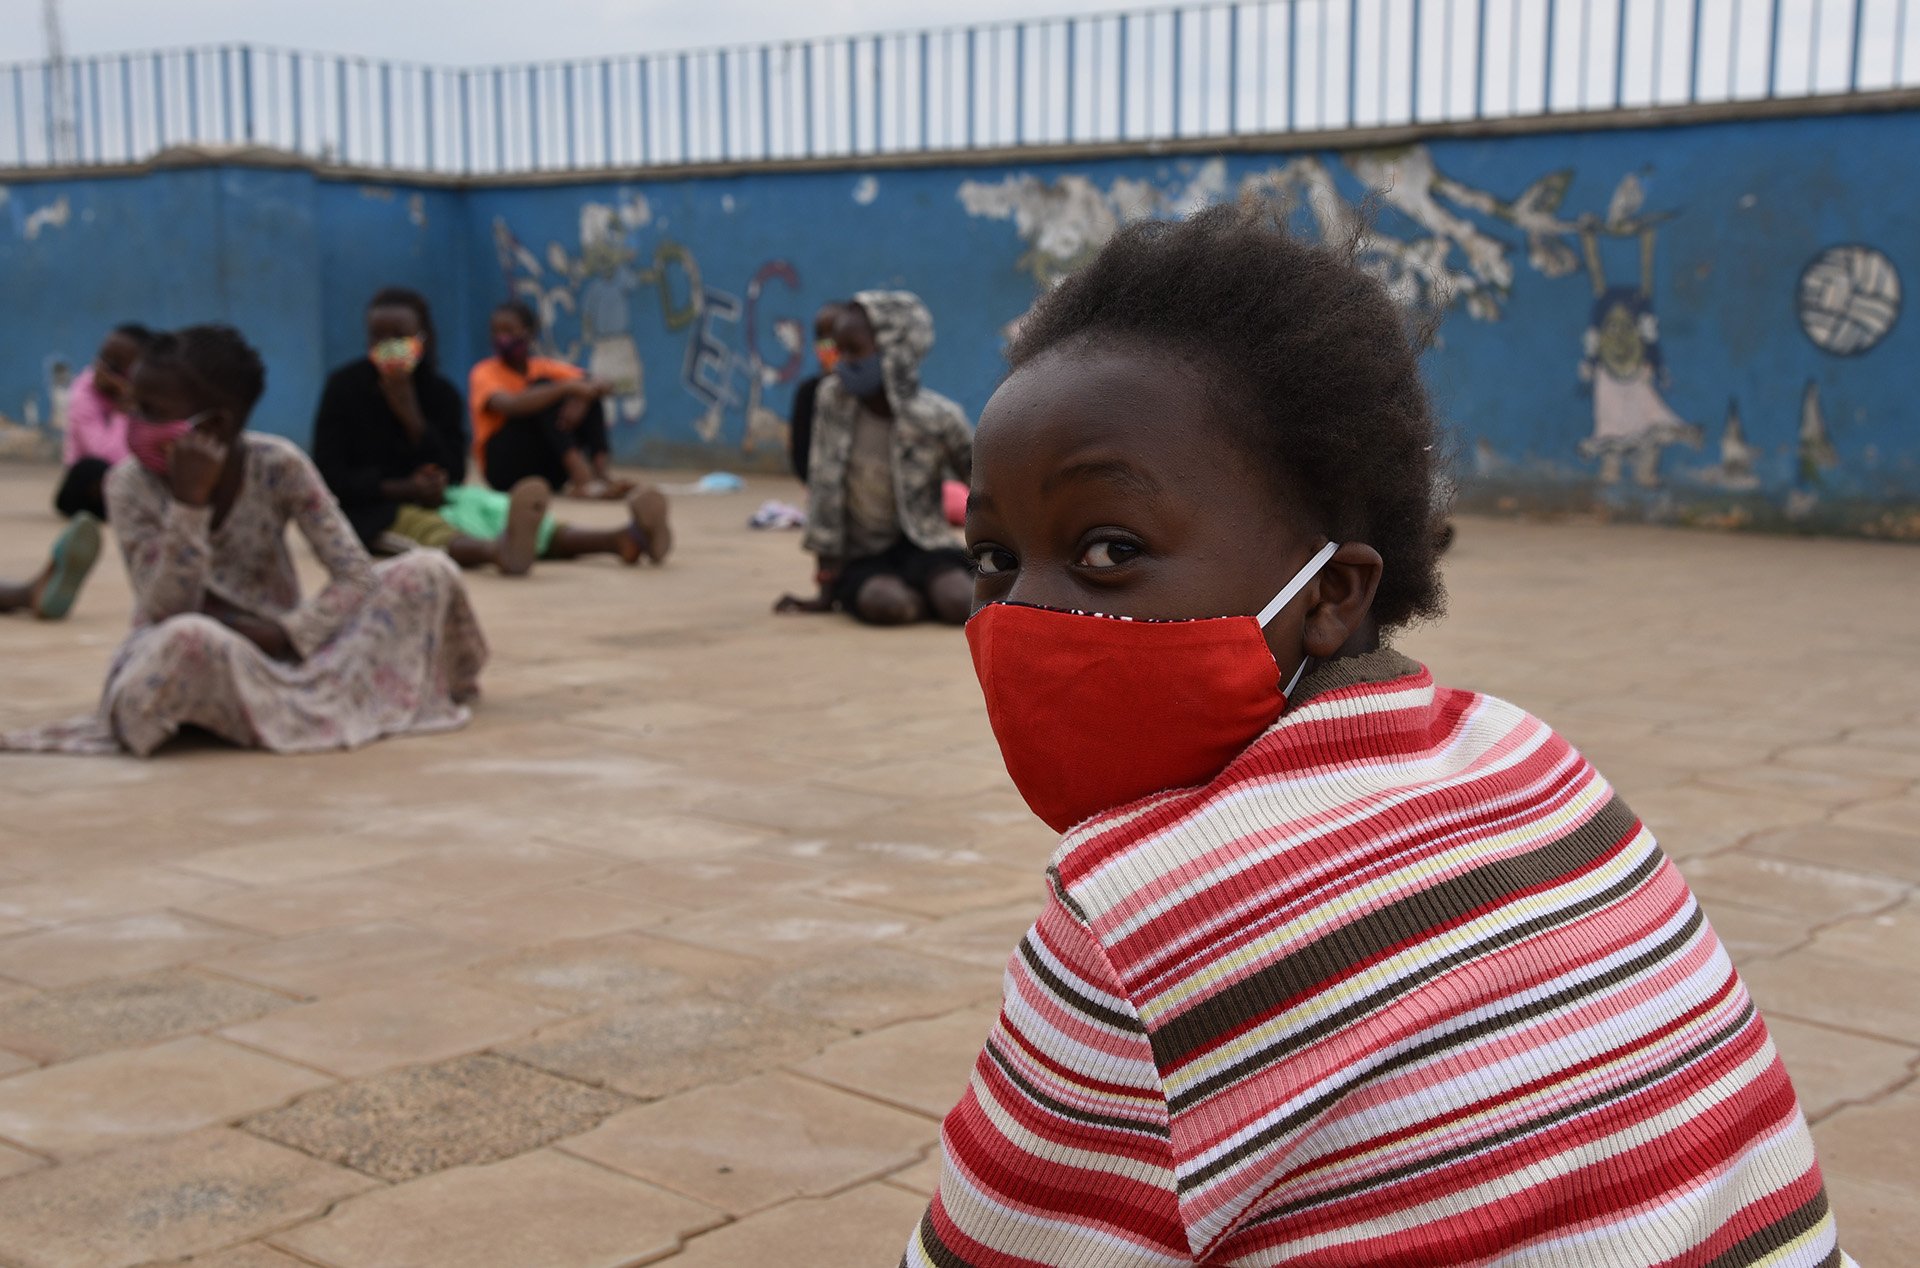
(1413, 73)
(1120, 76)
(1233, 69)
(1179, 37)
(1072, 32)
(646, 113)
(766, 101)
(499, 119)
(1853, 62)
(1293, 58)
(386, 113)
(1480, 63)
(853, 97)
(1020, 84)
(1353, 60)
(1619, 52)
(226, 94)
(127, 146)
(568, 116)
(1693, 55)
(20, 113)
(533, 118)
(1773, 50)
(686, 117)
(1546, 92)
(606, 112)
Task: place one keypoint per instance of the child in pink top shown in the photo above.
(97, 421)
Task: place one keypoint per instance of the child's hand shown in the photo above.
(430, 486)
(194, 467)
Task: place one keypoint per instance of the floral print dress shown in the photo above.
(385, 649)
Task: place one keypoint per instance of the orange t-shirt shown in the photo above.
(492, 377)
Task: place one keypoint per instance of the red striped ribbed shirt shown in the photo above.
(1407, 984)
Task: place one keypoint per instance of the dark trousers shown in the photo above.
(536, 445)
(83, 488)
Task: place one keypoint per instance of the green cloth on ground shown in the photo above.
(477, 511)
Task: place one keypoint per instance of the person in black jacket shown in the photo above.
(800, 420)
(390, 439)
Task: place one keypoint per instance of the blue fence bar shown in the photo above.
(1031, 82)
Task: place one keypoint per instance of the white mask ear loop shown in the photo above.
(1286, 596)
(1299, 583)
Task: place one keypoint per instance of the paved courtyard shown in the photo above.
(681, 950)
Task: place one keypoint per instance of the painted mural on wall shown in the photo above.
(1696, 323)
(590, 297)
(1439, 244)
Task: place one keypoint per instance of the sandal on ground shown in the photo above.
(75, 552)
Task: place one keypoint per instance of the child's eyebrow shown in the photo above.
(1113, 470)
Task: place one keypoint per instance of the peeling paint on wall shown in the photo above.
(52, 216)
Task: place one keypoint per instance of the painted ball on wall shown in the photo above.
(1849, 299)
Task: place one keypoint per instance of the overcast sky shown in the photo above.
(484, 31)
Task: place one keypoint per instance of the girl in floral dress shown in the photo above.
(222, 639)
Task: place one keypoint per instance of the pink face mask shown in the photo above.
(152, 442)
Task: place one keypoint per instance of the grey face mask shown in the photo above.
(863, 377)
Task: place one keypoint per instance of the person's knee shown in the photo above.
(952, 597)
(191, 640)
(888, 601)
(420, 570)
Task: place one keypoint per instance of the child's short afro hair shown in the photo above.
(1313, 365)
(219, 356)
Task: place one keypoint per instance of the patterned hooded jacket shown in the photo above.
(931, 435)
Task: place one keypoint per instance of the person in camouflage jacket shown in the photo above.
(882, 447)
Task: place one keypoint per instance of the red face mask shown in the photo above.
(1096, 712)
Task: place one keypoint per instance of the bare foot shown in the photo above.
(647, 509)
(520, 542)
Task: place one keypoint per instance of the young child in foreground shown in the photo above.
(1391, 976)
(222, 639)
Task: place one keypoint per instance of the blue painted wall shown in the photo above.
(1697, 323)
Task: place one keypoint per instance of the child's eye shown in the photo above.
(989, 561)
(1109, 554)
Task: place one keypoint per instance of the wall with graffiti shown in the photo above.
(1701, 324)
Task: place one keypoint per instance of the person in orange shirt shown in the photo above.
(537, 416)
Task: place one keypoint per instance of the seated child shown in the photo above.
(806, 392)
(881, 446)
(222, 639)
(538, 416)
(97, 422)
(1338, 966)
(390, 438)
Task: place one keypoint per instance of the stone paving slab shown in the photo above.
(122, 1012)
(543, 1209)
(423, 1119)
(722, 902)
(742, 1147)
(115, 1099)
(193, 1193)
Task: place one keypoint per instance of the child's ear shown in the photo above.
(1341, 599)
